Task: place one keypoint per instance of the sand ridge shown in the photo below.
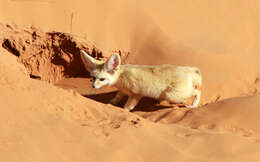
(49, 112)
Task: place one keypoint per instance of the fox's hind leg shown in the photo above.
(196, 101)
(117, 98)
(132, 101)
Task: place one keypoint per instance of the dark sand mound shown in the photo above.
(48, 56)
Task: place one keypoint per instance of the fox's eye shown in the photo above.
(102, 79)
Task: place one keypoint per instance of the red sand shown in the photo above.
(43, 122)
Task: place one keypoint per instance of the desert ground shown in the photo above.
(50, 112)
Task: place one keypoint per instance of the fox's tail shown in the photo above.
(197, 79)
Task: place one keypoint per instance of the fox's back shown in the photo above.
(152, 80)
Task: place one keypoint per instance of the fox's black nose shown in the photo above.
(93, 86)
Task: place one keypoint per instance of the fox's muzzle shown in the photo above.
(98, 83)
(93, 82)
(95, 85)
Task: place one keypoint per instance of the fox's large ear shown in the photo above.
(89, 62)
(113, 63)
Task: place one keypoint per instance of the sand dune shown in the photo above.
(49, 112)
(45, 123)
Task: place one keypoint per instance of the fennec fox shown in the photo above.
(175, 84)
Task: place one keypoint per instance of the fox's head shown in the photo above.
(103, 73)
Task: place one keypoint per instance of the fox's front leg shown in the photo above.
(117, 98)
(132, 101)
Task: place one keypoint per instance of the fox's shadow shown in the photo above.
(146, 104)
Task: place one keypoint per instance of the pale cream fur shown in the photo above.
(175, 84)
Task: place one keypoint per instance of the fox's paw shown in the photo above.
(126, 109)
(129, 108)
(192, 106)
